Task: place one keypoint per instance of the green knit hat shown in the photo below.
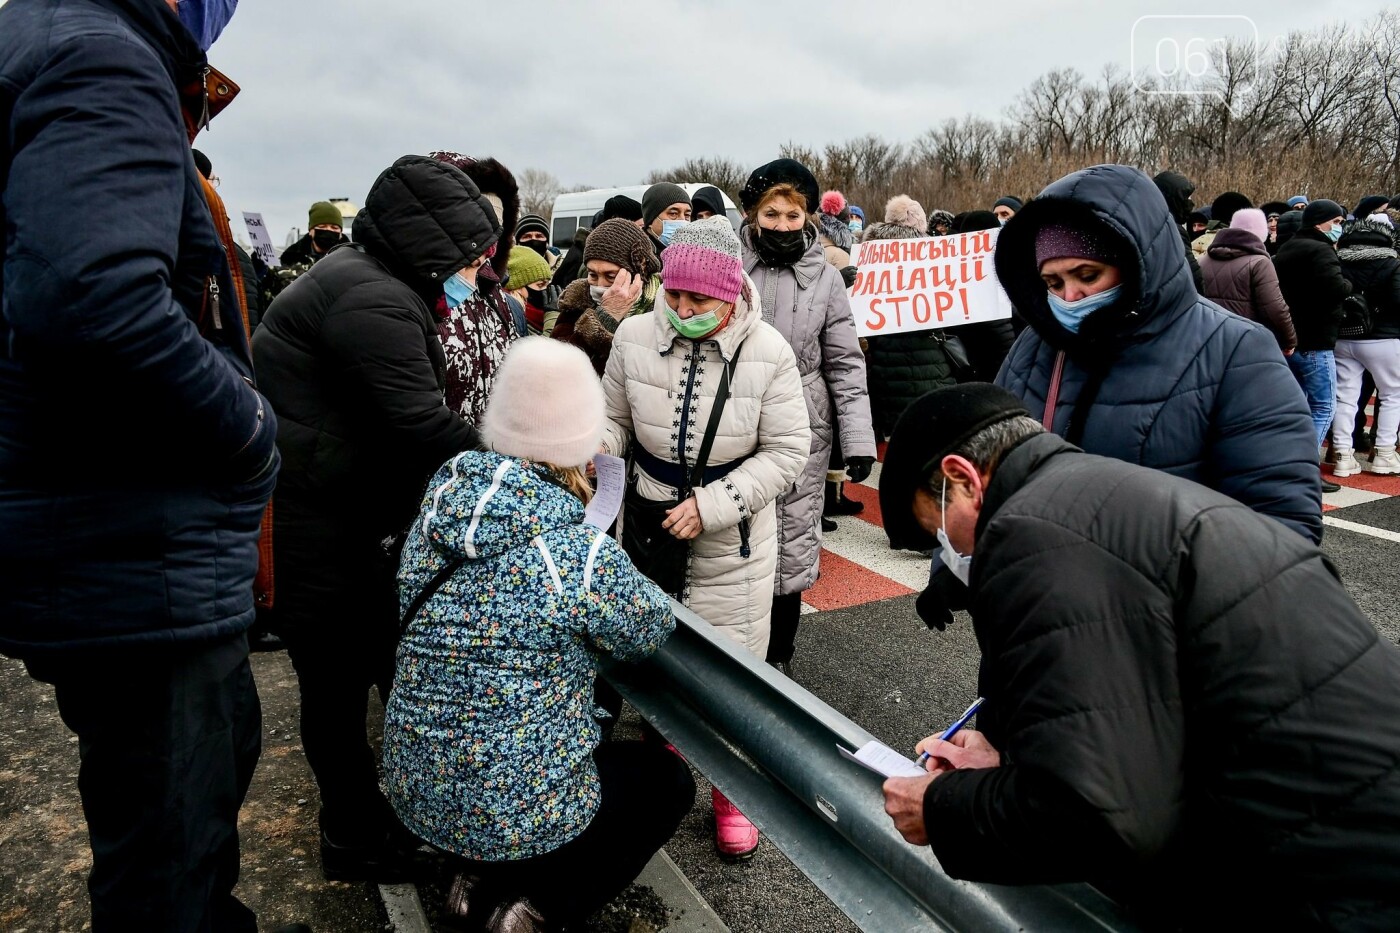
(526, 267)
(324, 212)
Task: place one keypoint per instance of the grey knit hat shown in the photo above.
(659, 197)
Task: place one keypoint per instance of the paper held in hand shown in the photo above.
(612, 484)
(883, 760)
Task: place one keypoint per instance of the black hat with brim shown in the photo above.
(931, 428)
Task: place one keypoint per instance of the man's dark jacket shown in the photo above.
(1310, 275)
(303, 252)
(349, 354)
(1176, 190)
(1369, 262)
(135, 456)
(1190, 709)
(1163, 378)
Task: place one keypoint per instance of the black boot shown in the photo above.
(836, 502)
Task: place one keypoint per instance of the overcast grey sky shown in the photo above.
(602, 93)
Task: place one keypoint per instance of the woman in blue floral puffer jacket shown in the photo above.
(491, 751)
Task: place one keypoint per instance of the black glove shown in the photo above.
(858, 468)
(943, 594)
(848, 275)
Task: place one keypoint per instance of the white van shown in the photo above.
(572, 211)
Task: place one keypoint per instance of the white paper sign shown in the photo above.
(257, 234)
(912, 285)
(611, 473)
(883, 760)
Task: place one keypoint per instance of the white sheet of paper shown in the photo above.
(611, 474)
(883, 760)
(262, 243)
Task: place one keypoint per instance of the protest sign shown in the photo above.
(262, 243)
(911, 285)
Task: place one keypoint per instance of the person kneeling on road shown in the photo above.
(491, 752)
(1161, 714)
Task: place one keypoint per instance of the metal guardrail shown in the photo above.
(770, 746)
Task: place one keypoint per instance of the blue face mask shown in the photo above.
(959, 564)
(1071, 314)
(856, 226)
(1335, 233)
(669, 228)
(205, 19)
(458, 290)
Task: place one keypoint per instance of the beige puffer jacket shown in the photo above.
(648, 375)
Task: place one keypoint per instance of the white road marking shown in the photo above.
(1360, 528)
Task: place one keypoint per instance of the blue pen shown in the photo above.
(949, 732)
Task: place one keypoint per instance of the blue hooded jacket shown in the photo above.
(489, 733)
(1163, 378)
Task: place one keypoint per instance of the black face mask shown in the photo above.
(780, 247)
(325, 239)
(539, 246)
(534, 297)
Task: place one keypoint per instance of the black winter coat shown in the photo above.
(349, 353)
(1191, 711)
(1164, 378)
(1369, 262)
(900, 368)
(1314, 288)
(127, 439)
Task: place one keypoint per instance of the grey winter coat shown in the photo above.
(807, 303)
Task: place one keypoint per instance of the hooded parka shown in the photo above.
(1163, 378)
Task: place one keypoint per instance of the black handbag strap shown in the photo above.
(427, 592)
(697, 471)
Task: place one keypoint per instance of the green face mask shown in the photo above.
(695, 327)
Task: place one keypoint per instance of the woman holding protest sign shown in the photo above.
(708, 398)
(805, 299)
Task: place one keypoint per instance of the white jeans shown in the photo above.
(1381, 358)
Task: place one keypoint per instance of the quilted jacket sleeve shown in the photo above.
(627, 615)
(618, 433)
(91, 252)
(844, 368)
(1083, 705)
(784, 440)
(1269, 298)
(1265, 456)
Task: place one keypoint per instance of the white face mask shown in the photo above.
(596, 292)
(960, 565)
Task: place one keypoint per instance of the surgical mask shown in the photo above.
(960, 566)
(1335, 233)
(696, 326)
(325, 239)
(1071, 314)
(856, 226)
(205, 19)
(1002, 220)
(781, 247)
(596, 292)
(458, 290)
(669, 228)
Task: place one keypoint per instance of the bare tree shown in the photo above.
(538, 189)
(725, 174)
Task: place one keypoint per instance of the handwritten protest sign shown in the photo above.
(257, 233)
(910, 285)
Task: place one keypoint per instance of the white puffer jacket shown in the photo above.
(657, 383)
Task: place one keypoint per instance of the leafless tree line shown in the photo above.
(1317, 113)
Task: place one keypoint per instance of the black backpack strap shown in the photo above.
(702, 458)
(427, 592)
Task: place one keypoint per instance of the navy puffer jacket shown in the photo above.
(1163, 378)
(135, 455)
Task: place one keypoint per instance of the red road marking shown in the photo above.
(844, 583)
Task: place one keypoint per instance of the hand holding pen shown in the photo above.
(973, 751)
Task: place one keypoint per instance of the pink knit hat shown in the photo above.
(546, 404)
(704, 258)
(1251, 219)
(1059, 241)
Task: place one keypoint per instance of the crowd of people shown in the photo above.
(379, 455)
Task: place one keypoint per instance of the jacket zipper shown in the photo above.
(685, 417)
(214, 303)
(257, 427)
(204, 94)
